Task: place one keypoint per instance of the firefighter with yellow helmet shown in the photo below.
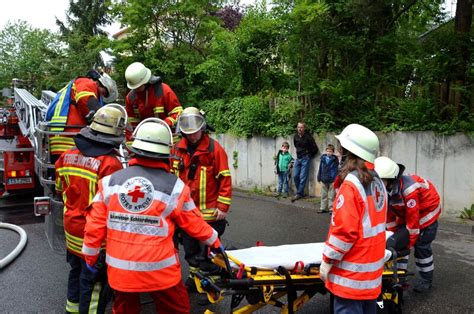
(203, 166)
(138, 209)
(78, 171)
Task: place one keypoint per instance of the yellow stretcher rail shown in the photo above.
(262, 287)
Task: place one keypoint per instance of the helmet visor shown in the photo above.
(190, 123)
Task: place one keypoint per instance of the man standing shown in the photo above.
(149, 97)
(137, 209)
(306, 149)
(78, 171)
(203, 166)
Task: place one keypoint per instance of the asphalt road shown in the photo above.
(36, 281)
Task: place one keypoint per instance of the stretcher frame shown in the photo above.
(266, 287)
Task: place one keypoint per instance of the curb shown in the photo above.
(451, 226)
(304, 204)
(444, 224)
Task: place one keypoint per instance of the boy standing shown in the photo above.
(326, 176)
(283, 163)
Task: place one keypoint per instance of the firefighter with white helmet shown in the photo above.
(138, 209)
(357, 230)
(149, 97)
(75, 105)
(414, 204)
(202, 164)
(78, 171)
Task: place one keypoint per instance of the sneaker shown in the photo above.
(277, 194)
(321, 211)
(285, 195)
(422, 287)
(296, 197)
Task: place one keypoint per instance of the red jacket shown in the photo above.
(85, 96)
(356, 240)
(137, 209)
(77, 177)
(414, 202)
(157, 100)
(211, 184)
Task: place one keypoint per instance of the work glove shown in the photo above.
(220, 214)
(92, 270)
(90, 116)
(219, 249)
(324, 270)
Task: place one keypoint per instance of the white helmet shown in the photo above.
(360, 141)
(386, 168)
(191, 120)
(111, 87)
(110, 119)
(137, 75)
(151, 138)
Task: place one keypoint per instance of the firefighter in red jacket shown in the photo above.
(202, 164)
(414, 204)
(353, 256)
(78, 171)
(149, 97)
(87, 95)
(137, 210)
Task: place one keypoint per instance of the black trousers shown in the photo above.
(85, 292)
(195, 252)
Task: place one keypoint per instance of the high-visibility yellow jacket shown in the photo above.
(85, 96)
(77, 177)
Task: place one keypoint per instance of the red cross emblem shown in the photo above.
(377, 195)
(136, 193)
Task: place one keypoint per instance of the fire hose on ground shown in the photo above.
(20, 246)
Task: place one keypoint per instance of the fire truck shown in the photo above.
(25, 163)
(17, 155)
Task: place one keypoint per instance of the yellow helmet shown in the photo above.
(152, 138)
(110, 119)
(137, 75)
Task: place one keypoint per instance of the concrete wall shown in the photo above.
(448, 161)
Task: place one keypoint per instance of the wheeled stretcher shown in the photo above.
(265, 275)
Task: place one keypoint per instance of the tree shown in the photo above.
(462, 27)
(29, 54)
(84, 38)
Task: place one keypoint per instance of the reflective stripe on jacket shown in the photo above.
(207, 174)
(414, 202)
(137, 209)
(84, 96)
(157, 100)
(77, 177)
(356, 240)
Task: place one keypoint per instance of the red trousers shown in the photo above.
(169, 301)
